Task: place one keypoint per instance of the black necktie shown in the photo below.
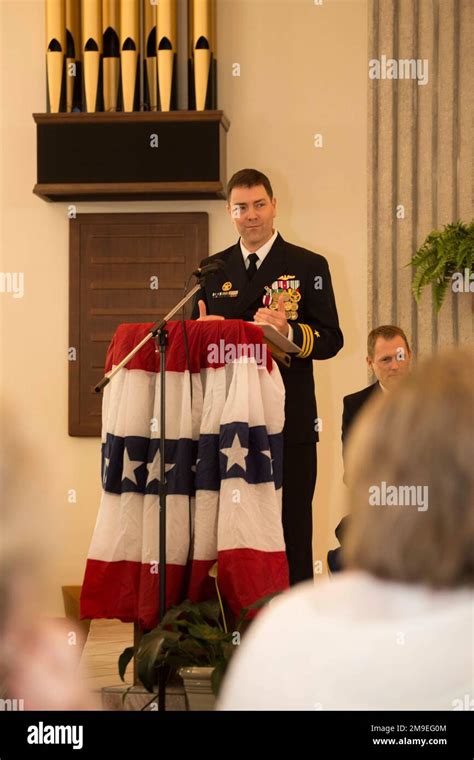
(252, 267)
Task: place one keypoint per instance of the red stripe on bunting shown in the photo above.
(129, 591)
(246, 575)
(201, 335)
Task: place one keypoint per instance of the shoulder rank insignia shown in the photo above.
(287, 285)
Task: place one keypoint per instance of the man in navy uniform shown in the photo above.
(289, 287)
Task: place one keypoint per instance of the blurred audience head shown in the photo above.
(410, 475)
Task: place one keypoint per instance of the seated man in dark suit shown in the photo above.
(389, 358)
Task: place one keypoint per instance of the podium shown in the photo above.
(223, 461)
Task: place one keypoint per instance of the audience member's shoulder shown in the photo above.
(360, 395)
(292, 597)
(308, 594)
(355, 596)
(289, 605)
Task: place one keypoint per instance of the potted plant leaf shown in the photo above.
(194, 641)
(444, 257)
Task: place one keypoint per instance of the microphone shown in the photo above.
(214, 266)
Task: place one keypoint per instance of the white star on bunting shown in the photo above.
(129, 467)
(235, 454)
(154, 468)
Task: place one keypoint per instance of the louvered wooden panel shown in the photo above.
(112, 260)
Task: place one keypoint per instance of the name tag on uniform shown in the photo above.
(226, 291)
(226, 294)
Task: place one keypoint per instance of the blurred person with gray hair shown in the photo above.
(395, 630)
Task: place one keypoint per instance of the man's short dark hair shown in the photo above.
(387, 332)
(249, 178)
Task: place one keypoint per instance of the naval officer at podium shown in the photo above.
(267, 280)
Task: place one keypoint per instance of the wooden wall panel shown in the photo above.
(112, 258)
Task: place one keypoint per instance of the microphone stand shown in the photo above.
(152, 333)
(160, 334)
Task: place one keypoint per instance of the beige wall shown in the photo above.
(303, 71)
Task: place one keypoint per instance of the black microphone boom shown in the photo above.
(213, 266)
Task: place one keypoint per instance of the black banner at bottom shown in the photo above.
(121, 734)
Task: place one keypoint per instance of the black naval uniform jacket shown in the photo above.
(316, 329)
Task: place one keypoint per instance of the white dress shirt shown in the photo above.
(261, 253)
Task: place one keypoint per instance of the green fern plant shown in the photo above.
(441, 255)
